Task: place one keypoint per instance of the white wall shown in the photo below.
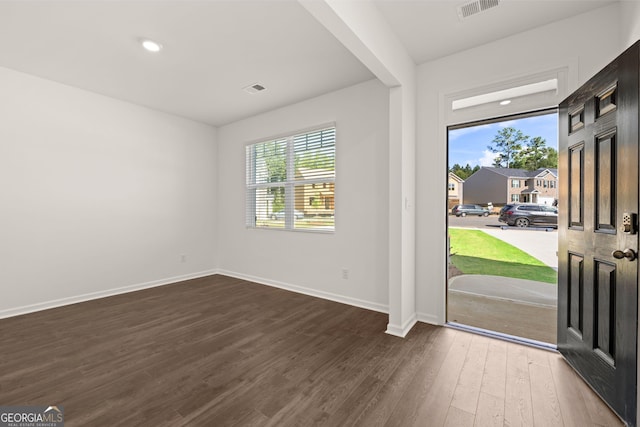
(630, 22)
(97, 195)
(570, 43)
(312, 262)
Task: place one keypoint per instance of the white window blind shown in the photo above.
(291, 182)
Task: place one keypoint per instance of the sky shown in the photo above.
(469, 145)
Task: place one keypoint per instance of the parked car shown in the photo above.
(280, 215)
(529, 214)
(464, 210)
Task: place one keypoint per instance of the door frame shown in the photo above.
(564, 70)
(479, 122)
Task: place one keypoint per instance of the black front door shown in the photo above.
(598, 236)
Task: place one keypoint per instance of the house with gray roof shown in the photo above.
(505, 185)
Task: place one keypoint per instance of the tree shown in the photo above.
(507, 143)
(518, 151)
(315, 160)
(551, 159)
(537, 155)
(532, 155)
(274, 156)
(464, 172)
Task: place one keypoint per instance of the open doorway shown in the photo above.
(502, 225)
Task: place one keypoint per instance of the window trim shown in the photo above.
(290, 185)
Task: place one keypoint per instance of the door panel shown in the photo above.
(605, 307)
(605, 182)
(576, 182)
(597, 292)
(576, 294)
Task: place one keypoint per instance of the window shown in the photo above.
(515, 197)
(515, 183)
(529, 208)
(284, 173)
(452, 186)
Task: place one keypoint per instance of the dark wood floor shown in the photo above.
(221, 351)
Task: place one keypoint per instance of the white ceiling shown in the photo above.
(212, 49)
(431, 29)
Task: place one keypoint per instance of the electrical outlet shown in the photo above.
(345, 273)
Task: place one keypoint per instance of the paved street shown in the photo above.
(474, 221)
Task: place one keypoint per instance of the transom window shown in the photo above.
(291, 182)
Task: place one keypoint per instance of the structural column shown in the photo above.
(360, 28)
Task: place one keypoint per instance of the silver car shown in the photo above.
(464, 210)
(529, 214)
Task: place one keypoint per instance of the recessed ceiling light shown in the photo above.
(505, 102)
(150, 45)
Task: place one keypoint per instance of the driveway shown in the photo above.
(537, 242)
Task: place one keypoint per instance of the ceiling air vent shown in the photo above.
(475, 7)
(254, 88)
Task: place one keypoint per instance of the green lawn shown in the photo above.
(475, 252)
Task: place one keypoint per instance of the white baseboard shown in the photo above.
(101, 294)
(429, 318)
(308, 291)
(17, 311)
(402, 331)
